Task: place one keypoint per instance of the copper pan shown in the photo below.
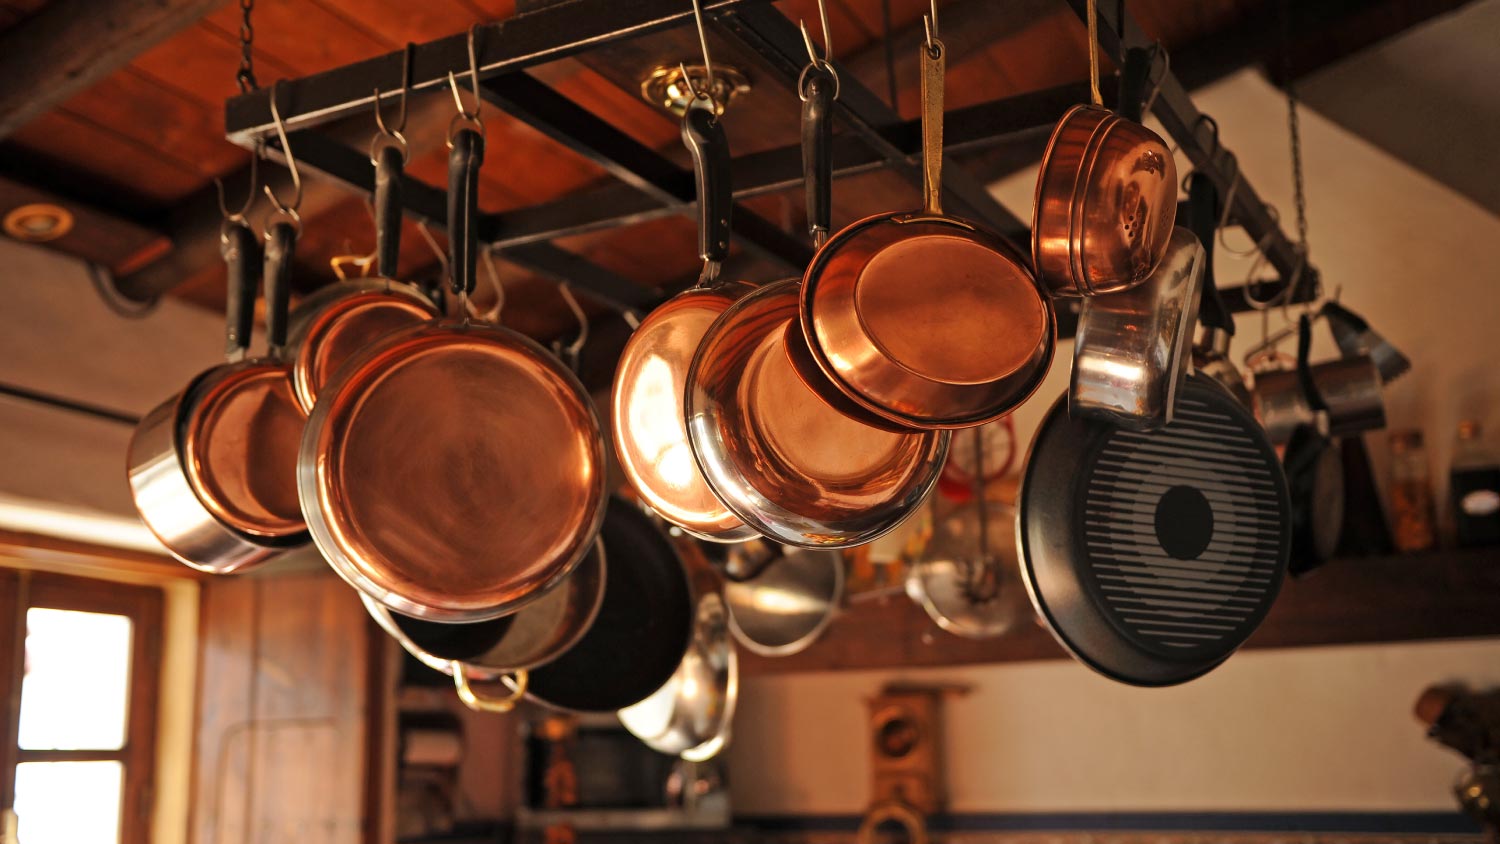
(454, 471)
(924, 319)
(1106, 198)
(339, 320)
(649, 428)
(213, 469)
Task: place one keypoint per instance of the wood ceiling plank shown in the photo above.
(495, 9)
(96, 236)
(300, 34)
(13, 12)
(201, 62)
(131, 167)
(396, 22)
(849, 33)
(630, 114)
(70, 44)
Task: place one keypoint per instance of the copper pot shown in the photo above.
(648, 422)
(924, 319)
(213, 469)
(454, 471)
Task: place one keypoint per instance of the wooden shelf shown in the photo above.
(1436, 595)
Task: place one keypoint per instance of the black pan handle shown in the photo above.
(1315, 398)
(281, 250)
(389, 164)
(817, 149)
(242, 260)
(1135, 76)
(464, 161)
(1203, 221)
(703, 132)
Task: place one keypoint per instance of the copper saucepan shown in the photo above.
(778, 456)
(1106, 198)
(649, 428)
(924, 319)
(505, 493)
(339, 320)
(213, 469)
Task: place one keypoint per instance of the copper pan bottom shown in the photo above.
(239, 435)
(329, 332)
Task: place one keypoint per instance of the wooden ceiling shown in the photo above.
(140, 144)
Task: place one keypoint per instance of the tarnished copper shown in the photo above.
(453, 471)
(333, 324)
(239, 446)
(1106, 201)
(924, 319)
(778, 456)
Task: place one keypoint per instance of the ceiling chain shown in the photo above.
(246, 75)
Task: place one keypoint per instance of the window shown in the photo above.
(79, 666)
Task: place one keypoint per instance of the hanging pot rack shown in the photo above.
(648, 185)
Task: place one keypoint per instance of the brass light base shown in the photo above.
(667, 88)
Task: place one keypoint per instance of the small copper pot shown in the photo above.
(1106, 201)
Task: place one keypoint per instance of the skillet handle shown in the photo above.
(703, 133)
(281, 249)
(934, 64)
(389, 164)
(1315, 398)
(817, 150)
(1203, 220)
(483, 703)
(464, 161)
(242, 260)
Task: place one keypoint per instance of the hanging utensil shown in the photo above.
(691, 715)
(337, 321)
(773, 451)
(505, 493)
(1211, 353)
(641, 631)
(787, 604)
(1153, 555)
(1343, 397)
(966, 576)
(1355, 337)
(208, 468)
(921, 318)
(1106, 197)
(648, 423)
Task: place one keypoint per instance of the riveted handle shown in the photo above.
(703, 133)
(242, 261)
(817, 149)
(464, 161)
(281, 250)
(389, 164)
(1203, 220)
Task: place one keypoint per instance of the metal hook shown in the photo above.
(442, 254)
(395, 135)
(239, 216)
(825, 63)
(464, 114)
(289, 211)
(574, 348)
(707, 91)
(493, 313)
(1166, 69)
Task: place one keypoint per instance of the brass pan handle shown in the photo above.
(483, 703)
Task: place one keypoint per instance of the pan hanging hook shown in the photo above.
(934, 41)
(492, 314)
(571, 352)
(284, 211)
(1157, 49)
(250, 192)
(707, 91)
(466, 117)
(825, 63)
(388, 134)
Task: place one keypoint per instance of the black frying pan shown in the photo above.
(642, 629)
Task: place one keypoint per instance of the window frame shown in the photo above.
(143, 605)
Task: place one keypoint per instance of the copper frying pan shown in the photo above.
(924, 319)
(1106, 198)
(505, 495)
(650, 431)
(212, 470)
(339, 320)
(778, 456)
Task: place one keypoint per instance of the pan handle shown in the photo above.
(1305, 378)
(389, 164)
(934, 64)
(703, 133)
(464, 160)
(281, 249)
(242, 259)
(484, 703)
(1203, 220)
(817, 149)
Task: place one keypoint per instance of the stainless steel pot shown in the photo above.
(1350, 387)
(788, 604)
(691, 716)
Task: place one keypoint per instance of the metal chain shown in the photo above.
(246, 75)
(1293, 124)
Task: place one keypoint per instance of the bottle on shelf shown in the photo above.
(1412, 522)
(1474, 484)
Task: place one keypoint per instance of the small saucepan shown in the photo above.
(691, 715)
(787, 604)
(924, 319)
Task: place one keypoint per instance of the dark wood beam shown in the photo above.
(70, 44)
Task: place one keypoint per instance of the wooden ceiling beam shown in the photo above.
(70, 44)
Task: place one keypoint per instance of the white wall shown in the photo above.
(1324, 728)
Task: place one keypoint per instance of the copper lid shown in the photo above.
(457, 470)
(338, 328)
(239, 437)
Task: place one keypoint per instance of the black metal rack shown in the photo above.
(648, 185)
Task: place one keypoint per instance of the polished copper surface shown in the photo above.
(778, 456)
(239, 435)
(649, 430)
(453, 471)
(927, 321)
(1106, 202)
(328, 331)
